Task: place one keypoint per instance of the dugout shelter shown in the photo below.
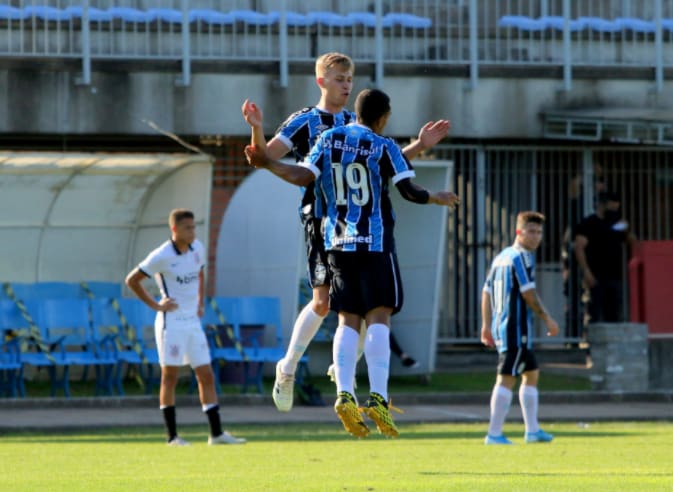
(93, 216)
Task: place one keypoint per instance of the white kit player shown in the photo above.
(177, 267)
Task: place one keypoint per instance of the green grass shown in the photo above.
(440, 382)
(611, 457)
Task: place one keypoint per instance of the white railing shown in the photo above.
(566, 34)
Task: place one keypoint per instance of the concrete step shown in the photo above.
(473, 357)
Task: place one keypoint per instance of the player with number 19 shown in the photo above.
(352, 166)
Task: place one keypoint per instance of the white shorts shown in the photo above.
(180, 340)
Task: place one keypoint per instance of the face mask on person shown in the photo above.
(612, 216)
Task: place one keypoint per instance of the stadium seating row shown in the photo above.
(208, 16)
(597, 24)
(111, 334)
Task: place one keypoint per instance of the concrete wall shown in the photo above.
(49, 102)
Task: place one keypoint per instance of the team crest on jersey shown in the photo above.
(174, 350)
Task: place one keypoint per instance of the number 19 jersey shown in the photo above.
(353, 167)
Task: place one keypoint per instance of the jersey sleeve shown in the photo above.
(524, 270)
(314, 159)
(154, 263)
(395, 164)
(201, 253)
(294, 130)
(488, 283)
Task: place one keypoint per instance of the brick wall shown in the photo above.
(229, 169)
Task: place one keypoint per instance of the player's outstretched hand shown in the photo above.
(252, 113)
(433, 131)
(446, 198)
(256, 156)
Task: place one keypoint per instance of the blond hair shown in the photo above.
(329, 60)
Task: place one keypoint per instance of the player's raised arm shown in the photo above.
(254, 117)
(412, 192)
(430, 135)
(291, 173)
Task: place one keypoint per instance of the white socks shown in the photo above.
(501, 398)
(528, 399)
(377, 355)
(303, 331)
(344, 355)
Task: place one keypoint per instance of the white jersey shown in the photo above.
(177, 274)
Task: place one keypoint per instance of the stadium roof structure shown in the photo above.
(77, 216)
(621, 125)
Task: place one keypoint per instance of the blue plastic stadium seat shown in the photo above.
(522, 23)
(293, 19)
(667, 24)
(330, 19)
(406, 20)
(11, 368)
(128, 14)
(104, 289)
(601, 25)
(54, 290)
(366, 19)
(171, 16)
(253, 18)
(636, 25)
(557, 22)
(12, 13)
(47, 13)
(95, 15)
(209, 16)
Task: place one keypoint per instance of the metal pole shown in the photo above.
(480, 217)
(567, 56)
(658, 48)
(284, 62)
(378, 43)
(85, 79)
(474, 45)
(186, 56)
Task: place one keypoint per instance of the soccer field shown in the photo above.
(614, 456)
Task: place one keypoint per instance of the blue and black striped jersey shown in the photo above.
(512, 273)
(299, 133)
(353, 167)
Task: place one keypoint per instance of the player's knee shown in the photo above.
(169, 380)
(206, 378)
(321, 306)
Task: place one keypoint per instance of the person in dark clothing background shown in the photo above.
(602, 247)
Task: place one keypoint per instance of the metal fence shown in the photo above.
(496, 182)
(471, 33)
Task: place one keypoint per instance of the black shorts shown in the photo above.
(362, 281)
(516, 362)
(318, 273)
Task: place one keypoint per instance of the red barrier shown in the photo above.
(651, 286)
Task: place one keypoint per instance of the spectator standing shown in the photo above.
(602, 247)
